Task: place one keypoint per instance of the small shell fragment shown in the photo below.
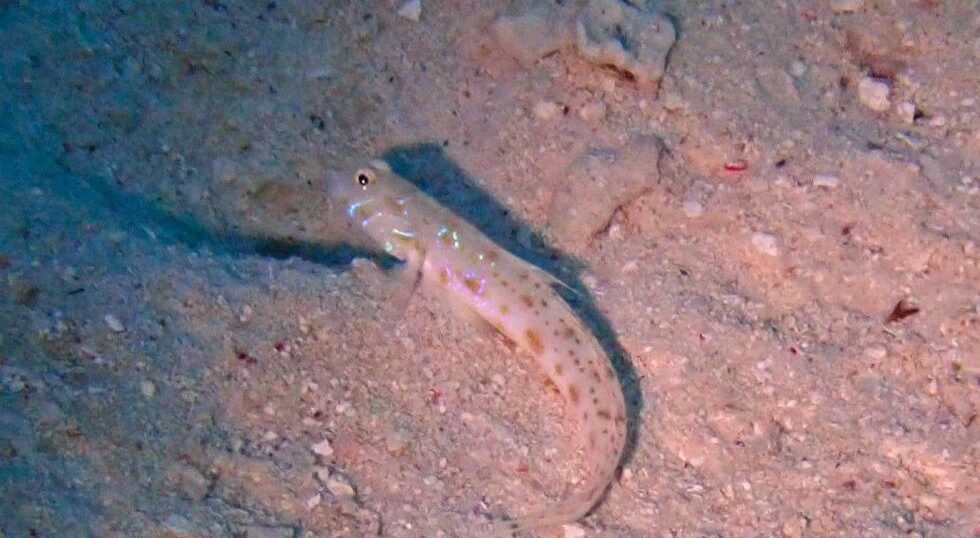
(323, 448)
(903, 309)
(411, 10)
(114, 323)
(765, 243)
(828, 181)
(692, 209)
(340, 488)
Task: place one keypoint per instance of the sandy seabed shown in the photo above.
(779, 246)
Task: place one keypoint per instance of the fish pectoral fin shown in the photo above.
(469, 316)
(480, 326)
(553, 280)
(406, 281)
(545, 276)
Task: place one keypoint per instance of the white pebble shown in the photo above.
(929, 501)
(571, 530)
(313, 501)
(114, 323)
(546, 110)
(627, 474)
(148, 389)
(323, 71)
(340, 488)
(906, 111)
(692, 209)
(180, 525)
(874, 93)
(846, 6)
(322, 474)
(411, 10)
(397, 442)
(524, 238)
(673, 102)
(593, 111)
(876, 352)
(828, 181)
(765, 243)
(323, 448)
(797, 68)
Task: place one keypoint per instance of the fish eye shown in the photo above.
(364, 177)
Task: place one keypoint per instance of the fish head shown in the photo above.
(375, 199)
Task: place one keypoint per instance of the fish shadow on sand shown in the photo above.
(169, 227)
(431, 170)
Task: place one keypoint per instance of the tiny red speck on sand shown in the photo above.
(736, 166)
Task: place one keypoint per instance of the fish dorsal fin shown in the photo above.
(378, 164)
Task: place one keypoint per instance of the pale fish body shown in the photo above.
(515, 297)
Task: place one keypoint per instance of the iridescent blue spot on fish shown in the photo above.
(402, 234)
(354, 209)
(448, 236)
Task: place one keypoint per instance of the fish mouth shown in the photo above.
(338, 186)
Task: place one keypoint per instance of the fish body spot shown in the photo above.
(504, 309)
(475, 285)
(534, 341)
(403, 237)
(395, 204)
(527, 300)
(448, 236)
(573, 394)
